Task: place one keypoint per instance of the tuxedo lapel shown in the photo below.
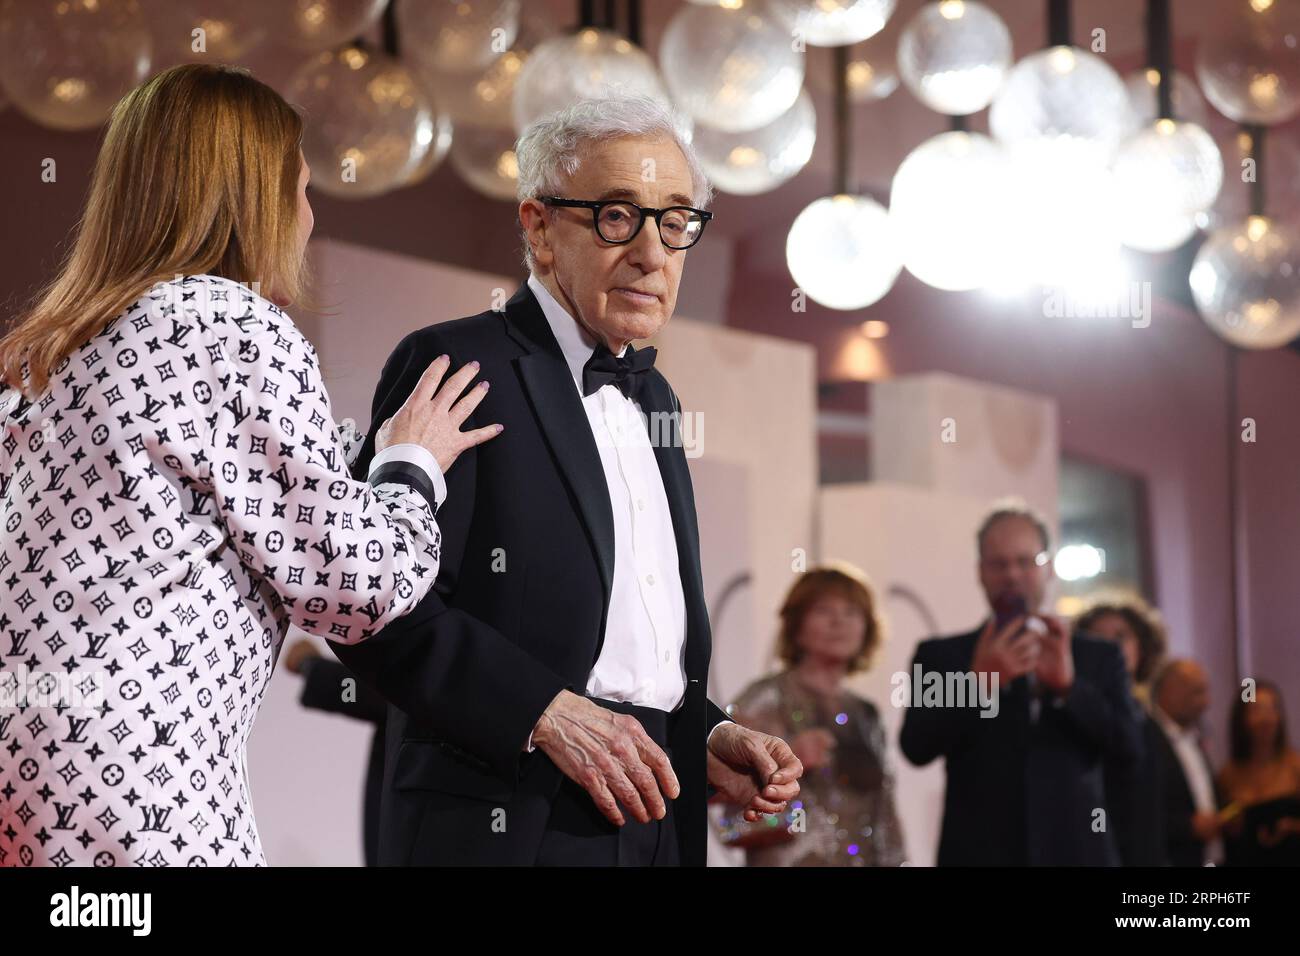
(563, 422)
(663, 423)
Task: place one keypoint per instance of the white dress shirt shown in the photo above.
(641, 660)
(1187, 748)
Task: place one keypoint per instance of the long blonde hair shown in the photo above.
(198, 174)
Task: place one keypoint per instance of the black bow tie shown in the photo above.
(626, 373)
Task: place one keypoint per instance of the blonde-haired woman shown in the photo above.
(174, 490)
(845, 815)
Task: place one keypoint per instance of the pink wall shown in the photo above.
(1269, 392)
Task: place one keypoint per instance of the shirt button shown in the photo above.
(667, 657)
(650, 579)
(640, 504)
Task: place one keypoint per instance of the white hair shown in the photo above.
(551, 148)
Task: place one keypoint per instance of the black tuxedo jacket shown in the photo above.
(1022, 791)
(518, 611)
(1135, 800)
(1182, 847)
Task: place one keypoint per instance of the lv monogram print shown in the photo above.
(175, 500)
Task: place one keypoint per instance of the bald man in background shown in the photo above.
(1180, 696)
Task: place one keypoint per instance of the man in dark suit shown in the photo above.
(1025, 772)
(1192, 829)
(549, 694)
(1135, 805)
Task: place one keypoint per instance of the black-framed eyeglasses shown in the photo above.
(618, 221)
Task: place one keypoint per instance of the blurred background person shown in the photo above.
(324, 688)
(1024, 781)
(1261, 784)
(1134, 798)
(1181, 694)
(830, 629)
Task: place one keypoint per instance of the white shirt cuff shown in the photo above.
(419, 456)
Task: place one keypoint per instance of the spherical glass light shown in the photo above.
(1061, 113)
(1061, 216)
(1246, 283)
(834, 22)
(1062, 92)
(486, 98)
(457, 36)
(65, 63)
(1164, 176)
(565, 69)
(732, 68)
(316, 25)
(437, 151)
(948, 205)
(485, 159)
(842, 251)
(759, 160)
(1188, 104)
(954, 55)
(1248, 61)
(230, 30)
(369, 122)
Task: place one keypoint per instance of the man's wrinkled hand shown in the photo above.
(753, 770)
(609, 755)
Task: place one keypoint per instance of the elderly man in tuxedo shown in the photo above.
(548, 697)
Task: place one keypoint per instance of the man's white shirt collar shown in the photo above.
(1173, 730)
(575, 342)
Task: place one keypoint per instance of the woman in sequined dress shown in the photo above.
(845, 816)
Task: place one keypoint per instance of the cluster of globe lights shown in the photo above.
(1079, 165)
(1246, 276)
(1077, 162)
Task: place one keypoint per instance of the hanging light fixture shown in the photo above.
(64, 65)
(841, 249)
(372, 121)
(1246, 277)
(317, 25)
(1249, 61)
(1170, 172)
(953, 56)
(948, 206)
(1061, 115)
(949, 196)
(731, 67)
(760, 160)
(457, 37)
(486, 97)
(595, 60)
(485, 159)
(834, 22)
